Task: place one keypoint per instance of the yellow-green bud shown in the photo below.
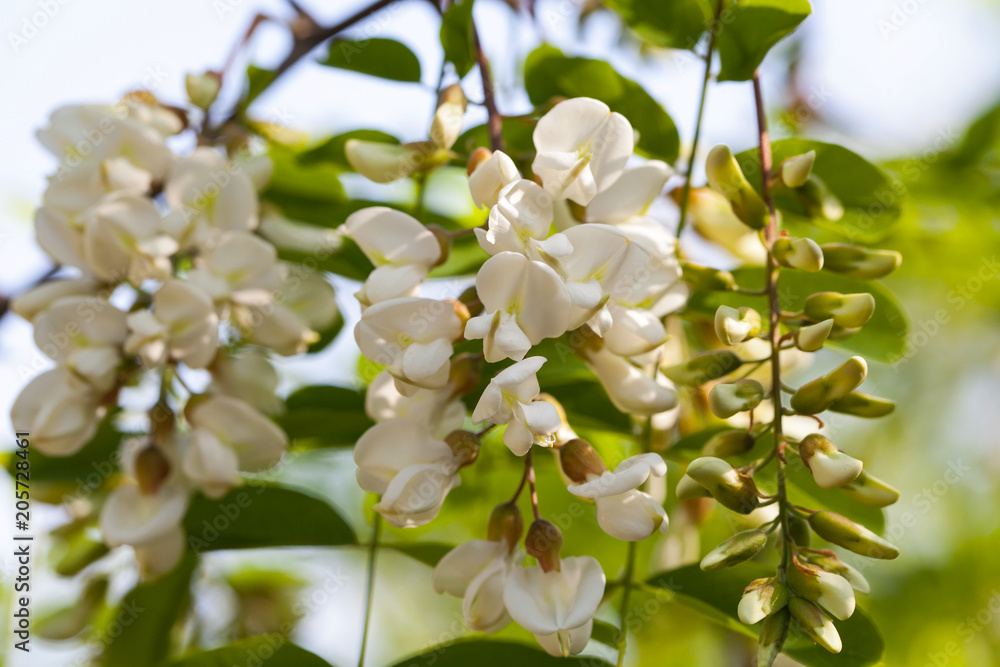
(857, 262)
(732, 488)
(815, 623)
(738, 548)
(385, 163)
(818, 201)
(79, 551)
(804, 254)
(773, 634)
(816, 396)
(727, 399)
(579, 461)
(863, 405)
(706, 278)
(843, 532)
(847, 310)
(827, 560)
(704, 367)
(799, 531)
(726, 177)
(795, 170)
(447, 123)
(828, 590)
(810, 338)
(544, 541)
(830, 467)
(688, 489)
(762, 598)
(506, 525)
(735, 325)
(730, 442)
(870, 490)
(202, 89)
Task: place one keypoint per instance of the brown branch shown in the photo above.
(495, 123)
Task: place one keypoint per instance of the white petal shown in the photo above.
(459, 566)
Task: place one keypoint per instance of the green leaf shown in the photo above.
(305, 192)
(325, 416)
(676, 24)
(264, 515)
(457, 38)
(882, 339)
(428, 553)
(871, 199)
(748, 30)
(385, 58)
(716, 596)
(485, 653)
(141, 628)
(605, 633)
(272, 651)
(258, 79)
(549, 73)
(332, 152)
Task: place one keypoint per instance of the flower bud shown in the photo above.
(795, 170)
(688, 489)
(444, 243)
(816, 396)
(465, 446)
(151, 469)
(461, 311)
(810, 338)
(506, 525)
(830, 467)
(799, 531)
(830, 591)
(735, 490)
(579, 460)
(728, 443)
(864, 263)
(79, 551)
(464, 374)
(773, 634)
(734, 326)
(727, 399)
(762, 598)
(827, 560)
(815, 623)
(804, 254)
(726, 177)
(843, 532)
(847, 310)
(704, 367)
(818, 201)
(447, 123)
(738, 548)
(476, 158)
(706, 278)
(385, 163)
(202, 89)
(544, 541)
(870, 490)
(863, 405)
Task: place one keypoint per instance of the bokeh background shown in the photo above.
(911, 84)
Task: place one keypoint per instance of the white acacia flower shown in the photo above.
(181, 325)
(249, 376)
(39, 298)
(510, 398)
(402, 249)
(130, 516)
(626, 201)
(477, 572)
(524, 302)
(60, 236)
(85, 334)
(59, 410)
(582, 147)
(412, 338)
(212, 193)
(520, 222)
(228, 436)
(124, 239)
(623, 511)
(159, 556)
(490, 177)
(239, 266)
(557, 607)
(439, 409)
(75, 191)
(412, 469)
(630, 388)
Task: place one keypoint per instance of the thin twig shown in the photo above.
(495, 122)
(372, 552)
(529, 464)
(627, 582)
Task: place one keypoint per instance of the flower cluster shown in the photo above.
(573, 250)
(165, 274)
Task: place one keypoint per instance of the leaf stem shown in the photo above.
(622, 639)
(369, 594)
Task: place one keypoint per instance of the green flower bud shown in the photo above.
(738, 548)
(799, 531)
(734, 325)
(863, 405)
(465, 445)
(688, 489)
(795, 170)
(804, 254)
(773, 634)
(830, 467)
(818, 201)
(847, 310)
(815, 623)
(447, 123)
(704, 367)
(202, 89)
(544, 541)
(726, 177)
(579, 461)
(728, 443)
(828, 590)
(870, 490)
(763, 597)
(816, 396)
(733, 489)
(810, 338)
(864, 263)
(827, 560)
(843, 532)
(506, 525)
(78, 552)
(706, 278)
(727, 399)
